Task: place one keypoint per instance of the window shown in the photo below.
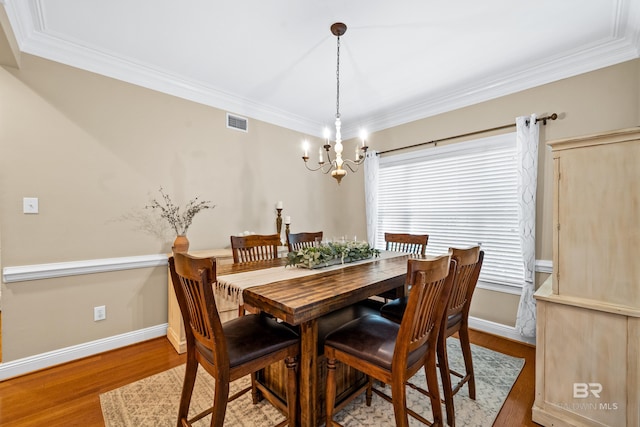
(462, 195)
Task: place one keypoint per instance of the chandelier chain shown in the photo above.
(338, 166)
(338, 81)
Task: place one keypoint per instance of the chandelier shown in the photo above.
(336, 166)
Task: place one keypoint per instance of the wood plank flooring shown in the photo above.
(69, 394)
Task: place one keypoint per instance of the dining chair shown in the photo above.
(251, 248)
(410, 243)
(456, 319)
(228, 351)
(297, 241)
(392, 353)
(255, 247)
(403, 242)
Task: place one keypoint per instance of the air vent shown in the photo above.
(237, 122)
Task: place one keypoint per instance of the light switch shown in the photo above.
(30, 205)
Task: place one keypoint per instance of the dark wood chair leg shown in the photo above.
(292, 390)
(432, 384)
(331, 389)
(463, 333)
(256, 396)
(190, 373)
(399, 399)
(443, 363)
(220, 397)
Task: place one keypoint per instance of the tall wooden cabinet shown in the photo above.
(588, 324)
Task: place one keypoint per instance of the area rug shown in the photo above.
(153, 401)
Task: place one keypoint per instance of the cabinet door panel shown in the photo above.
(598, 213)
(589, 379)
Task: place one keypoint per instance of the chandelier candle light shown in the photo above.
(336, 166)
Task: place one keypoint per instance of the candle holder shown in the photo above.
(286, 231)
(279, 221)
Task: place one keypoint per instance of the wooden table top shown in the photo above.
(302, 300)
(305, 298)
(224, 269)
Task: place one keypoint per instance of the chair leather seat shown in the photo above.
(252, 336)
(371, 338)
(331, 321)
(454, 319)
(394, 310)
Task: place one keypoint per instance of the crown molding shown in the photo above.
(579, 62)
(47, 45)
(33, 38)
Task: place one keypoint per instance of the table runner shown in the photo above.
(229, 287)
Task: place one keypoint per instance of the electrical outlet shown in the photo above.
(99, 313)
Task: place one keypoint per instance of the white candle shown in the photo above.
(287, 219)
(357, 152)
(320, 158)
(363, 136)
(279, 205)
(305, 146)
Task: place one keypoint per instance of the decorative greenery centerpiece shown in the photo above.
(331, 253)
(177, 219)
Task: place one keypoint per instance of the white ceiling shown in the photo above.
(275, 60)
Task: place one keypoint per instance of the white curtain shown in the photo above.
(527, 136)
(371, 167)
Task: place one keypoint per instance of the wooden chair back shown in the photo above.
(469, 265)
(297, 241)
(231, 351)
(193, 280)
(255, 247)
(410, 243)
(431, 283)
(384, 351)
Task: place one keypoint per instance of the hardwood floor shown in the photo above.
(69, 394)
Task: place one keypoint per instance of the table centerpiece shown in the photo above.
(331, 253)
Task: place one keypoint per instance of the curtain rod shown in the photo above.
(435, 141)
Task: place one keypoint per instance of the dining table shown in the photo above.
(301, 296)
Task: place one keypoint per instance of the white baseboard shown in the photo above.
(498, 329)
(56, 357)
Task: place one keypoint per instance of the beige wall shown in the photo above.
(593, 102)
(93, 150)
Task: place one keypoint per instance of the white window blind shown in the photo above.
(462, 195)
